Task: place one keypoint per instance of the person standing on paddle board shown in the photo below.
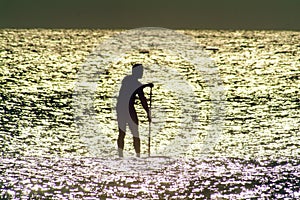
(126, 113)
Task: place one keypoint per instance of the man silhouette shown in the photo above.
(126, 113)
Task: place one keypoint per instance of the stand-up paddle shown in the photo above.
(149, 134)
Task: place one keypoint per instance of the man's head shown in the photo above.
(137, 70)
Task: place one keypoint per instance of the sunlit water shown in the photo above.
(257, 154)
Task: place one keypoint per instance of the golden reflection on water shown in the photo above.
(260, 71)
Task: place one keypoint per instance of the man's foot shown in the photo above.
(138, 155)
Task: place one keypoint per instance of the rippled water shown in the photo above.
(42, 154)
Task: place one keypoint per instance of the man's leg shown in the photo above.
(137, 146)
(136, 138)
(120, 142)
(122, 132)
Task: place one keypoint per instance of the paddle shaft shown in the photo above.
(149, 134)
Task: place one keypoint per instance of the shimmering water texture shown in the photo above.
(256, 153)
(187, 104)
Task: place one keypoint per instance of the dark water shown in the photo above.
(43, 156)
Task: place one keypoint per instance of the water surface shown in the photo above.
(257, 155)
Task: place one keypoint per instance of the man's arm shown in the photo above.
(144, 100)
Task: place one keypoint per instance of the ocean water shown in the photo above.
(256, 154)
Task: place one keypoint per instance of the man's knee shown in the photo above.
(121, 133)
(134, 130)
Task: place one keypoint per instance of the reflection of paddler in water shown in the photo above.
(126, 113)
